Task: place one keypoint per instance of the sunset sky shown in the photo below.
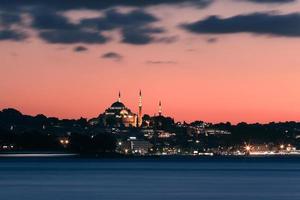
(211, 60)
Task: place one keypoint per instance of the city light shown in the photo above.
(248, 147)
(289, 148)
(64, 141)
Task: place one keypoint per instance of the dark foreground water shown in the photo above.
(149, 179)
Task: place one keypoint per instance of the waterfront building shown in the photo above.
(140, 146)
(135, 146)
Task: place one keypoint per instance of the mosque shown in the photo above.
(119, 115)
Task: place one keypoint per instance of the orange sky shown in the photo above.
(241, 77)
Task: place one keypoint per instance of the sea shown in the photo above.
(154, 178)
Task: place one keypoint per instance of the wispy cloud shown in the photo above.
(160, 62)
(113, 56)
(80, 48)
(212, 40)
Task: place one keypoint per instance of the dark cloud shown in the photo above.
(271, 1)
(49, 19)
(54, 27)
(7, 32)
(134, 18)
(140, 36)
(94, 4)
(80, 48)
(114, 19)
(7, 19)
(258, 23)
(135, 26)
(12, 35)
(112, 55)
(72, 36)
(132, 36)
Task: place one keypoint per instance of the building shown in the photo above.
(140, 120)
(118, 115)
(135, 146)
(165, 134)
(216, 132)
(159, 109)
(140, 146)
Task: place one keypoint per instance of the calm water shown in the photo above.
(149, 179)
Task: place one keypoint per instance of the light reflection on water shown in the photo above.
(30, 155)
(88, 179)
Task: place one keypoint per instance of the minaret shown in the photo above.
(159, 108)
(140, 120)
(119, 98)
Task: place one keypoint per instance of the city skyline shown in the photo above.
(149, 99)
(137, 110)
(210, 64)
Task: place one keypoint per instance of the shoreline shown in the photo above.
(40, 154)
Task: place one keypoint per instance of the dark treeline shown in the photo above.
(283, 132)
(41, 133)
(30, 133)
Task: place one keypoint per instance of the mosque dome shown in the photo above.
(117, 104)
(119, 115)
